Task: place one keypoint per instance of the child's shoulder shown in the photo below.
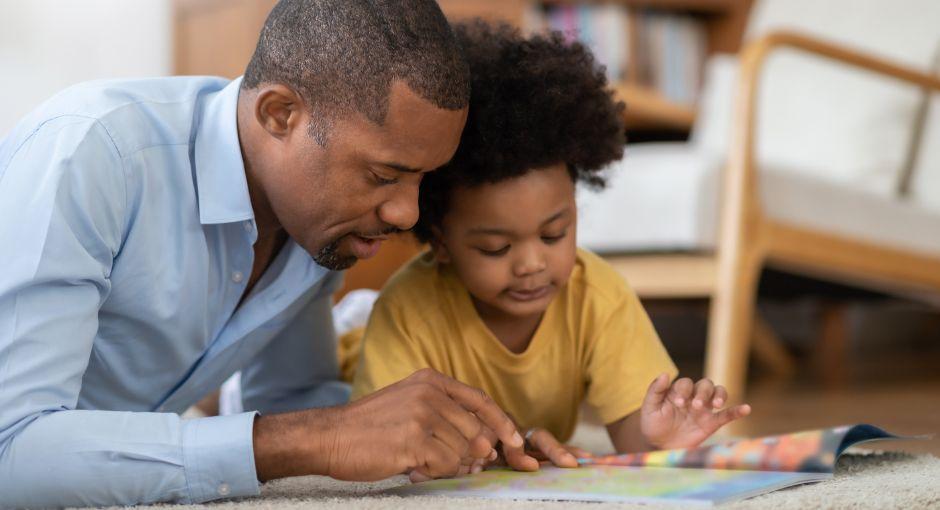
(595, 279)
(416, 274)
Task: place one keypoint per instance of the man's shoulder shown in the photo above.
(136, 113)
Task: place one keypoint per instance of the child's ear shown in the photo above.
(439, 247)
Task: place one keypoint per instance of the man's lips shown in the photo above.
(364, 247)
(529, 294)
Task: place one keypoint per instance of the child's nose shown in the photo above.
(530, 261)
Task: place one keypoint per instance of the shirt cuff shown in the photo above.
(219, 457)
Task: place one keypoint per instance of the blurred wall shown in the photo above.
(47, 45)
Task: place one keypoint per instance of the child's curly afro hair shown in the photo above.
(535, 102)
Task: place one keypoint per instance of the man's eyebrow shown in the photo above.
(403, 168)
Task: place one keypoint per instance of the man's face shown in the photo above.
(340, 200)
(512, 243)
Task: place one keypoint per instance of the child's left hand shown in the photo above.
(683, 414)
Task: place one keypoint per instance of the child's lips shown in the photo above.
(529, 294)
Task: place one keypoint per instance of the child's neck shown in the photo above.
(515, 333)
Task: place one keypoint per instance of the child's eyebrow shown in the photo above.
(555, 216)
(504, 232)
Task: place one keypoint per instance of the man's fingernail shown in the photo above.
(517, 439)
(718, 402)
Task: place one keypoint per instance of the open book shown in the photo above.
(705, 475)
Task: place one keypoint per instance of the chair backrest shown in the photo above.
(831, 121)
(924, 184)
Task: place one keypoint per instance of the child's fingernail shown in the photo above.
(718, 402)
(493, 455)
(517, 439)
(476, 469)
(679, 402)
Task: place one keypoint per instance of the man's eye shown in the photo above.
(495, 253)
(553, 239)
(382, 181)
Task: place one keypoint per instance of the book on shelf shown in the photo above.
(671, 47)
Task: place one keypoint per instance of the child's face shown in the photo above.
(512, 243)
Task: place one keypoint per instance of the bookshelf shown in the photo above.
(721, 23)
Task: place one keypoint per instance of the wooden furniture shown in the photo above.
(749, 240)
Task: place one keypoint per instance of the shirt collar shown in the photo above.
(220, 171)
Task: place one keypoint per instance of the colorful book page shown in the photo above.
(609, 483)
(809, 451)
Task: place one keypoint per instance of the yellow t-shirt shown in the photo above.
(595, 342)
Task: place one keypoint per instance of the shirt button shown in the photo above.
(237, 277)
(224, 489)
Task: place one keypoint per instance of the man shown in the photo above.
(156, 236)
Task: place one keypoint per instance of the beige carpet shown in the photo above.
(863, 480)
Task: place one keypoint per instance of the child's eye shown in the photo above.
(553, 239)
(494, 253)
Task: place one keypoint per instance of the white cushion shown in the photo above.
(664, 197)
(661, 196)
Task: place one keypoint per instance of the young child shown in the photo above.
(504, 300)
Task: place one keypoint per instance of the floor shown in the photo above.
(890, 380)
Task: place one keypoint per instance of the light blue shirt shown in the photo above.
(126, 235)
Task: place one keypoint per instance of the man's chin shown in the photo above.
(334, 257)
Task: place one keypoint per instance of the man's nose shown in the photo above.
(401, 209)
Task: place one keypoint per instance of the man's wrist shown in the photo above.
(294, 444)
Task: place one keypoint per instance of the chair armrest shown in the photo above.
(740, 194)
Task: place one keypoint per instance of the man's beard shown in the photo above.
(329, 257)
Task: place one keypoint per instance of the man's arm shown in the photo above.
(62, 217)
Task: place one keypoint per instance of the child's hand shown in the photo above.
(683, 414)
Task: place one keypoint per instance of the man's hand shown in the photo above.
(683, 414)
(427, 423)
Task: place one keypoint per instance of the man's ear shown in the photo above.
(278, 110)
(438, 247)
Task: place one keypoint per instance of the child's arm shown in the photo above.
(677, 415)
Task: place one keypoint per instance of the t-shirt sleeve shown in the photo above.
(390, 352)
(626, 356)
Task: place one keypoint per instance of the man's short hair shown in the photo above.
(342, 56)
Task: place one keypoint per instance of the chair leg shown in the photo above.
(832, 345)
(769, 350)
(730, 326)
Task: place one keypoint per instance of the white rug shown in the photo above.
(862, 480)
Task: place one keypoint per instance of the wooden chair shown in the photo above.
(749, 239)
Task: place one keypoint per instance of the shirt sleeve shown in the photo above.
(626, 356)
(389, 350)
(62, 218)
(299, 369)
